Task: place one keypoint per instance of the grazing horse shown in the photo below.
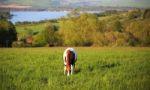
(70, 57)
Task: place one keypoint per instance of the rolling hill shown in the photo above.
(78, 3)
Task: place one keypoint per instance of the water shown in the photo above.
(21, 16)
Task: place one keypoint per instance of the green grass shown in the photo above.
(96, 69)
(24, 30)
(34, 27)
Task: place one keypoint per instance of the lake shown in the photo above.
(21, 16)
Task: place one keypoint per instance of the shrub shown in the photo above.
(133, 14)
(18, 44)
(39, 40)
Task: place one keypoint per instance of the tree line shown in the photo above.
(110, 28)
(114, 29)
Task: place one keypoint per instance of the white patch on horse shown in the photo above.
(65, 61)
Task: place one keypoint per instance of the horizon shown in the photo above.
(79, 3)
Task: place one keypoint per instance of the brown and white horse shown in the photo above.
(70, 58)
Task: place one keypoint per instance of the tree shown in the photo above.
(99, 39)
(78, 31)
(133, 14)
(8, 33)
(50, 34)
(39, 40)
(146, 14)
(5, 15)
(141, 31)
(118, 26)
(68, 30)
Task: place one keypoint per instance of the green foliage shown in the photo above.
(96, 69)
(25, 30)
(39, 40)
(36, 30)
(122, 39)
(114, 25)
(18, 44)
(4, 14)
(83, 29)
(133, 14)
(7, 33)
(118, 26)
(146, 14)
(141, 31)
(78, 30)
(51, 36)
(99, 39)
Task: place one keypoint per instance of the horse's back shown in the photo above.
(72, 50)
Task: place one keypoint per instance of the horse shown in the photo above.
(70, 57)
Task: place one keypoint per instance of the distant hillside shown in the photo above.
(79, 3)
(33, 3)
(15, 6)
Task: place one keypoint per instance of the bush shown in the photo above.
(140, 30)
(78, 31)
(39, 40)
(133, 14)
(18, 44)
(146, 14)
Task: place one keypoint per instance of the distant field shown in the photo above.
(23, 30)
(34, 27)
(96, 69)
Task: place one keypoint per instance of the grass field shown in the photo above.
(24, 27)
(96, 69)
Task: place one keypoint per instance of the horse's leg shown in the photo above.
(72, 69)
(68, 73)
(64, 70)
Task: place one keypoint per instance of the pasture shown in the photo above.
(122, 68)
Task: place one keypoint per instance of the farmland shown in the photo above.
(97, 68)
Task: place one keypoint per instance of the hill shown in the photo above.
(78, 3)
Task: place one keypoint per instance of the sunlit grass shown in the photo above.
(25, 27)
(96, 69)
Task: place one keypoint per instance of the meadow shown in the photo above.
(121, 68)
